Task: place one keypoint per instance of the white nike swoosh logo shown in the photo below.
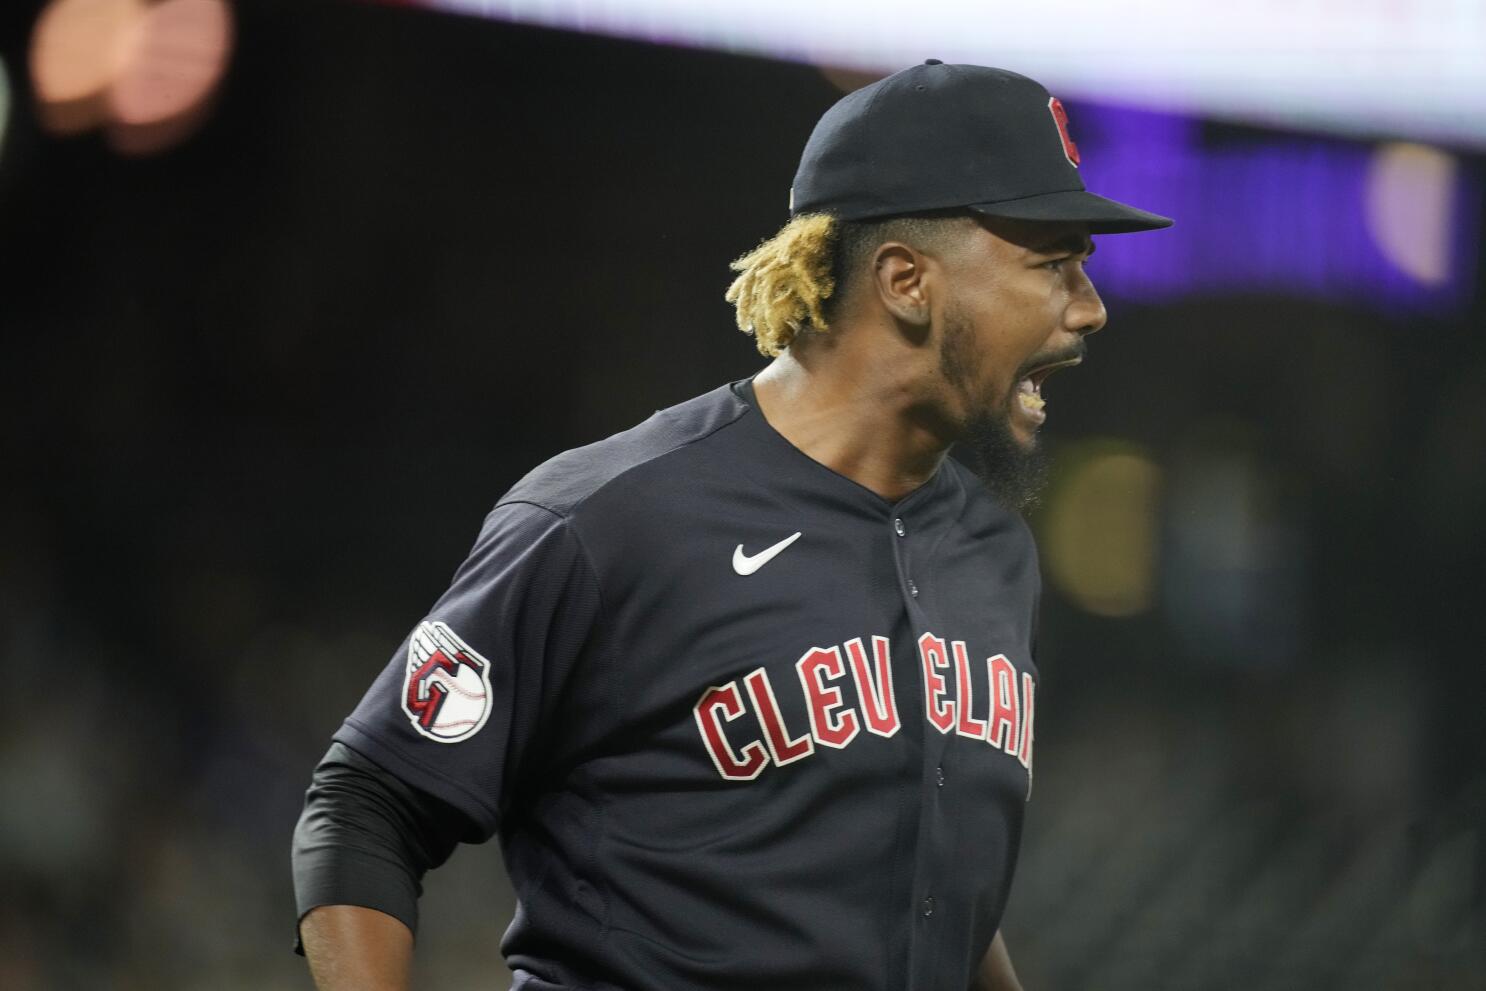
(743, 564)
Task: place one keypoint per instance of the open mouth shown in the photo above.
(1029, 389)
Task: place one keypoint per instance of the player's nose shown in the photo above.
(1085, 314)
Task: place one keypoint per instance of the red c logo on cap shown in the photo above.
(1060, 117)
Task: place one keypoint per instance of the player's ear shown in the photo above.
(898, 277)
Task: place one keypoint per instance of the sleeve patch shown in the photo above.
(446, 692)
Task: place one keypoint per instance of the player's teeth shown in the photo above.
(1030, 396)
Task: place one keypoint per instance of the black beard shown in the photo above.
(1014, 474)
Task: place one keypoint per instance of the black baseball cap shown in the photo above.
(938, 137)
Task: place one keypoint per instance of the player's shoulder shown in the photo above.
(564, 483)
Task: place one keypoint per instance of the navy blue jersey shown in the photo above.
(739, 722)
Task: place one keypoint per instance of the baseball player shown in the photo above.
(748, 691)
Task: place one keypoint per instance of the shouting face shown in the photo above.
(1017, 309)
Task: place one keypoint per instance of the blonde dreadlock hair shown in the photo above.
(788, 284)
(785, 281)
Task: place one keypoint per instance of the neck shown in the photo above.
(853, 416)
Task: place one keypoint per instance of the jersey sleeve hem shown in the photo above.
(420, 775)
(360, 880)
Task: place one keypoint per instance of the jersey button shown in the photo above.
(928, 906)
(912, 588)
(899, 528)
(939, 776)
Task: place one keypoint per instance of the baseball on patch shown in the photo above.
(446, 694)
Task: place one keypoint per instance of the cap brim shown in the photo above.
(1104, 216)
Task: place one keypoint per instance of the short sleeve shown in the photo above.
(458, 710)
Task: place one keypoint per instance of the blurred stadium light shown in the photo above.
(178, 54)
(1376, 68)
(76, 50)
(1099, 533)
(146, 70)
(1411, 206)
(1296, 215)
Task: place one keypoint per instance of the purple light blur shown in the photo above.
(1287, 215)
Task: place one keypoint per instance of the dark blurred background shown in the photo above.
(267, 366)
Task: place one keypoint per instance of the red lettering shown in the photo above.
(729, 764)
(1024, 752)
(937, 701)
(966, 725)
(1060, 117)
(828, 728)
(426, 694)
(784, 750)
(876, 694)
(1005, 721)
(949, 702)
